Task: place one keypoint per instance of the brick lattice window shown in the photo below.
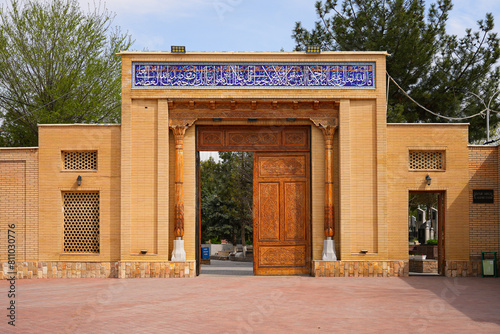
(80, 160)
(426, 160)
(81, 222)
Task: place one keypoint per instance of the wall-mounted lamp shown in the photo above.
(79, 180)
(144, 251)
(428, 179)
(216, 119)
(363, 251)
(291, 119)
(252, 119)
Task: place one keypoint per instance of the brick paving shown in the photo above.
(255, 304)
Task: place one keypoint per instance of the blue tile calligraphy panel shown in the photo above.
(250, 75)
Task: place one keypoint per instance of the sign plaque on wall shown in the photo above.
(483, 196)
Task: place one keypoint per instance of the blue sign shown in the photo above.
(205, 253)
(254, 75)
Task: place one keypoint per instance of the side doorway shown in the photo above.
(426, 232)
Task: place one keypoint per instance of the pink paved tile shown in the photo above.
(249, 304)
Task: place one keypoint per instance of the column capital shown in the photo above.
(181, 123)
(324, 122)
(328, 126)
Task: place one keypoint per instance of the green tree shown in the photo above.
(226, 197)
(58, 65)
(440, 71)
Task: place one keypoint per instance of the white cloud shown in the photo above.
(150, 7)
(457, 25)
(466, 13)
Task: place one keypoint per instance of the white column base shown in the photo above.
(179, 254)
(329, 250)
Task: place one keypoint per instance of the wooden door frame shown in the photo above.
(221, 143)
(441, 233)
(441, 226)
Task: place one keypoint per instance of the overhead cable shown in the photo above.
(481, 113)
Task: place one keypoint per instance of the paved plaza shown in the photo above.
(221, 302)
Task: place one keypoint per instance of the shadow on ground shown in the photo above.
(475, 297)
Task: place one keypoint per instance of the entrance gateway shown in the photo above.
(281, 192)
(137, 179)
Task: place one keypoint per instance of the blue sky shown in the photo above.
(243, 25)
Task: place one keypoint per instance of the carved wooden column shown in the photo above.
(328, 128)
(179, 132)
(179, 128)
(328, 132)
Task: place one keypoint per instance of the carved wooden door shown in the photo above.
(281, 214)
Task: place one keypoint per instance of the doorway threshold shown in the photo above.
(411, 273)
(227, 268)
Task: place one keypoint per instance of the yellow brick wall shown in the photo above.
(145, 180)
(363, 220)
(53, 181)
(484, 218)
(143, 209)
(19, 202)
(453, 138)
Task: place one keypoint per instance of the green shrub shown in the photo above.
(432, 242)
(215, 240)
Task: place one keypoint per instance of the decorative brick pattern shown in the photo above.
(360, 268)
(61, 269)
(80, 160)
(81, 222)
(137, 269)
(426, 160)
(463, 268)
(89, 269)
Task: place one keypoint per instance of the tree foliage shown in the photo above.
(226, 197)
(444, 73)
(58, 65)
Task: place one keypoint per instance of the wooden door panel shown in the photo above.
(269, 211)
(295, 193)
(263, 138)
(282, 166)
(253, 138)
(282, 256)
(281, 214)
